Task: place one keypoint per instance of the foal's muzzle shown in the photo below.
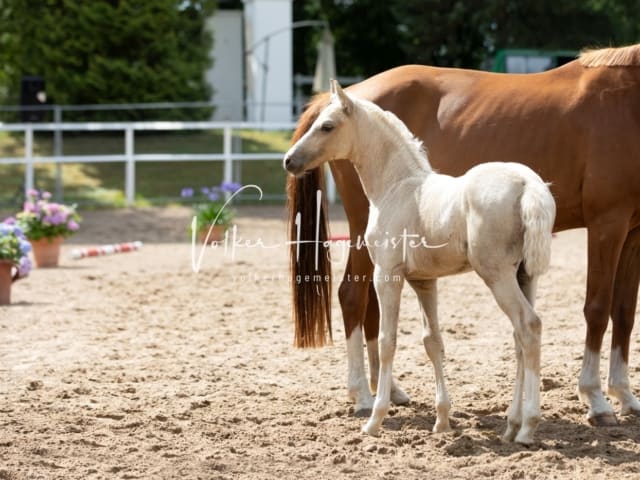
(293, 165)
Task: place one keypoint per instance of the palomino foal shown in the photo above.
(496, 219)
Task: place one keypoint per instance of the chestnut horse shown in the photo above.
(577, 126)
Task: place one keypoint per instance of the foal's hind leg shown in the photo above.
(427, 292)
(527, 331)
(514, 417)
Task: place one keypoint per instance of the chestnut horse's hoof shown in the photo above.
(362, 413)
(603, 420)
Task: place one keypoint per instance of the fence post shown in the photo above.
(228, 157)
(57, 150)
(28, 158)
(130, 167)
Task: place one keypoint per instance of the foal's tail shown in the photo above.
(538, 212)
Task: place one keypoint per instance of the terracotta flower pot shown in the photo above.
(6, 279)
(217, 233)
(47, 251)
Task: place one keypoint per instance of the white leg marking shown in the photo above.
(618, 384)
(357, 382)
(589, 387)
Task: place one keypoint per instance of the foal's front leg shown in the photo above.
(388, 292)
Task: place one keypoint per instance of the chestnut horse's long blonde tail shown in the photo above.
(310, 268)
(538, 212)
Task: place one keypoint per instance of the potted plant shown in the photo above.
(212, 216)
(14, 257)
(46, 224)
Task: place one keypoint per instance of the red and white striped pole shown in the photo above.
(79, 253)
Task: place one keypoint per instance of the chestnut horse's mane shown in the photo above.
(611, 57)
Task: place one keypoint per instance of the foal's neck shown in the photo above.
(388, 153)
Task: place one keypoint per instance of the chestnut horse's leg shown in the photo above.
(623, 309)
(353, 297)
(605, 240)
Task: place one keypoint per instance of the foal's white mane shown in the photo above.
(402, 136)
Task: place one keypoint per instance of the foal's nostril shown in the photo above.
(288, 161)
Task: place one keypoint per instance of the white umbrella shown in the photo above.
(326, 64)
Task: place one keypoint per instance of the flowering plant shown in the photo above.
(15, 247)
(41, 218)
(209, 208)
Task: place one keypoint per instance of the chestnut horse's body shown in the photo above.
(577, 126)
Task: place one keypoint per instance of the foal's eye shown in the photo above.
(326, 127)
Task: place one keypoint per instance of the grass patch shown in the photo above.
(102, 184)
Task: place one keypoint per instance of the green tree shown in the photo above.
(107, 51)
(366, 35)
(372, 35)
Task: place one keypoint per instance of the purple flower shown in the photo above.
(213, 196)
(25, 247)
(58, 218)
(205, 190)
(32, 192)
(24, 267)
(9, 221)
(230, 187)
(72, 225)
(31, 207)
(46, 195)
(186, 192)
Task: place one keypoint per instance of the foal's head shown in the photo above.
(330, 137)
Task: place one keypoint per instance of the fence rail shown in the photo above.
(129, 157)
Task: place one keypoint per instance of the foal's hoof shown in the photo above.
(525, 440)
(442, 427)
(371, 429)
(603, 420)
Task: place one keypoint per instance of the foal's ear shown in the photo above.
(345, 101)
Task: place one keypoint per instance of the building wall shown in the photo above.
(226, 74)
(269, 68)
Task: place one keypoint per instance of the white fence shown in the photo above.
(129, 157)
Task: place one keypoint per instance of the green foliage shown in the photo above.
(372, 36)
(107, 51)
(211, 206)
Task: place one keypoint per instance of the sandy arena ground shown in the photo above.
(133, 366)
